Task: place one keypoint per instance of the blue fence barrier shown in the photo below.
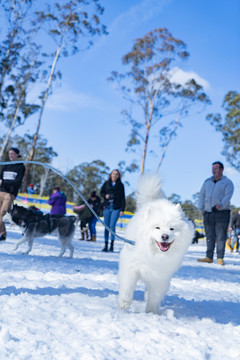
(41, 202)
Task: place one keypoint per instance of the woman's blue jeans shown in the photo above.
(110, 218)
(92, 226)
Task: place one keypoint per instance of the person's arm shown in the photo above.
(201, 199)
(233, 222)
(228, 194)
(123, 201)
(104, 193)
(51, 199)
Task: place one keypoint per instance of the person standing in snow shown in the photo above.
(214, 203)
(113, 194)
(58, 202)
(235, 227)
(95, 203)
(10, 181)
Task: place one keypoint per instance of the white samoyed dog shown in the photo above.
(162, 235)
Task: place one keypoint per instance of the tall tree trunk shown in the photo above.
(45, 97)
(145, 148)
(148, 123)
(43, 181)
(168, 142)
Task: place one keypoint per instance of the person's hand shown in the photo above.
(218, 207)
(203, 211)
(121, 213)
(107, 196)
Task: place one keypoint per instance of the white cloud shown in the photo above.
(180, 76)
(125, 23)
(66, 99)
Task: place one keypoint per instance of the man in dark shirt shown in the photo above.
(10, 181)
(235, 227)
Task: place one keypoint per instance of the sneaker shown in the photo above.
(2, 237)
(220, 262)
(206, 260)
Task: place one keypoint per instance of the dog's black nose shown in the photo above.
(165, 236)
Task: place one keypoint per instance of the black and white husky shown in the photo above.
(35, 224)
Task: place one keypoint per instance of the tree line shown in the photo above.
(38, 35)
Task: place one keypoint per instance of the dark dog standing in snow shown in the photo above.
(35, 224)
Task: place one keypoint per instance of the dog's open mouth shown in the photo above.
(163, 246)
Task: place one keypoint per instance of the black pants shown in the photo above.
(216, 226)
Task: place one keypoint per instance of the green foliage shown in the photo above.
(87, 177)
(189, 208)
(16, 39)
(71, 24)
(130, 203)
(174, 198)
(229, 127)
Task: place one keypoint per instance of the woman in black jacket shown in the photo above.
(10, 181)
(113, 194)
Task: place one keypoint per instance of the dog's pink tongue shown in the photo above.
(164, 246)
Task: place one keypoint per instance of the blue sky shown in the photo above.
(83, 119)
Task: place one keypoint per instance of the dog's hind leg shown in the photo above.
(71, 249)
(62, 251)
(64, 244)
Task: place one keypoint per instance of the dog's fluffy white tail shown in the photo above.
(149, 188)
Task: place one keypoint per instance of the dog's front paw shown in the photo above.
(123, 304)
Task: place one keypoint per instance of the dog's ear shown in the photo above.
(180, 210)
(178, 207)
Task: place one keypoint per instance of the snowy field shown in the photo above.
(64, 309)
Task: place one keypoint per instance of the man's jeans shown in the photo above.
(235, 238)
(110, 218)
(216, 226)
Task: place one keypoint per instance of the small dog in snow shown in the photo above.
(35, 224)
(162, 235)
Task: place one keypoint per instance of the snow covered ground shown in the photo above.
(66, 309)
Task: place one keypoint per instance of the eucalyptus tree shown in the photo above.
(150, 87)
(229, 127)
(71, 25)
(17, 108)
(87, 177)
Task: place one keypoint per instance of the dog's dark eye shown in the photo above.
(171, 229)
(157, 227)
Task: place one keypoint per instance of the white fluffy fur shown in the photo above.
(162, 235)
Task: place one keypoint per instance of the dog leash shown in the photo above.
(47, 166)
